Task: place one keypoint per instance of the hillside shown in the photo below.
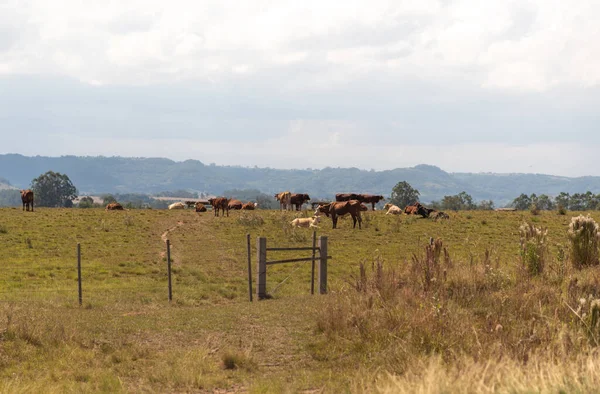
(151, 175)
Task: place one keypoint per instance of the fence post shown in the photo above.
(249, 267)
(312, 271)
(79, 273)
(261, 254)
(322, 264)
(169, 269)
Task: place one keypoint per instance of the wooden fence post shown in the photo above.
(261, 254)
(322, 264)
(312, 270)
(79, 273)
(249, 267)
(169, 269)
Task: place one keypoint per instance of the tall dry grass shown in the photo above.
(539, 375)
(583, 235)
(534, 248)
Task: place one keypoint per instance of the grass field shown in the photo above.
(482, 324)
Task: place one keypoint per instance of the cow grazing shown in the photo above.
(200, 207)
(370, 199)
(27, 199)
(336, 209)
(306, 222)
(114, 206)
(299, 199)
(285, 200)
(219, 203)
(177, 205)
(234, 204)
(250, 206)
(392, 209)
(346, 197)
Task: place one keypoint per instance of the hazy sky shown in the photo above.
(502, 86)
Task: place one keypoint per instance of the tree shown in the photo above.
(522, 203)
(460, 201)
(544, 203)
(404, 194)
(53, 189)
(563, 200)
(486, 205)
(86, 202)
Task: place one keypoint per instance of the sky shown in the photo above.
(466, 85)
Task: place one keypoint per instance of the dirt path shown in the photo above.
(165, 237)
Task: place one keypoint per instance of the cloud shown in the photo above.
(464, 84)
(524, 46)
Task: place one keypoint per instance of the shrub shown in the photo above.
(583, 234)
(561, 210)
(534, 209)
(3, 229)
(534, 249)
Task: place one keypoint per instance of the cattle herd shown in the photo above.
(345, 203)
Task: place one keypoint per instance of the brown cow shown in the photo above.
(249, 206)
(234, 204)
(219, 203)
(346, 196)
(340, 208)
(417, 209)
(370, 199)
(285, 200)
(114, 206)
(200, 207)
(27, 199)
(299, 199)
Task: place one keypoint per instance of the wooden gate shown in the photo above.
(319, 253)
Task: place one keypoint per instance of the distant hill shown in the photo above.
(92, 175)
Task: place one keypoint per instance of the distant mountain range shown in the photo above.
(93, 175)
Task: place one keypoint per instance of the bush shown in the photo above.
(534, 249)
(561, 210)
(534, 209)
(583, 234)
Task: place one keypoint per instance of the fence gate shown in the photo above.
(319, 253)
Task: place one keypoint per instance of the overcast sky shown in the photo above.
(473, 86)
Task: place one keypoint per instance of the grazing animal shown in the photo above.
(306, 222)
(370, 199)
(299, 199)
(200, 207)
(190, 204)
(336, 209)
(392, 209)
(234, 204)
(114, 206)
(346, 197)
(27, 199)
(177, 205)
(219, 203)
(285, 200)
(250, 206)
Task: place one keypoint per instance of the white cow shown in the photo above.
(306, 222)
(177, 205)
(392, 209)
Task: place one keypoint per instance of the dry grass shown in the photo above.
(401, 308)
